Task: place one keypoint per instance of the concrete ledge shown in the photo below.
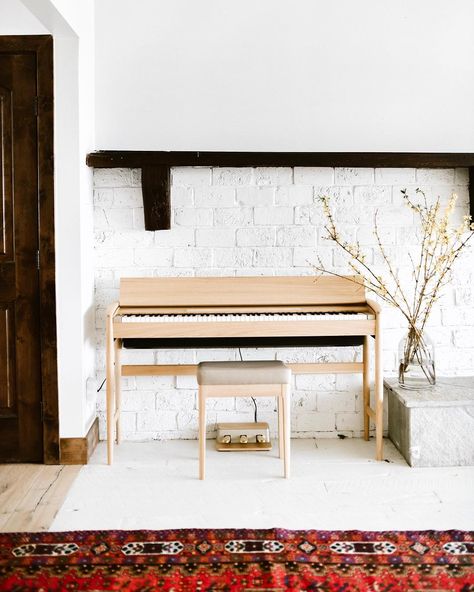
(433, 427)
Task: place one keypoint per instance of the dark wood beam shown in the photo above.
(156, 196)
(156, 168)
(138, 159)
(471, 191)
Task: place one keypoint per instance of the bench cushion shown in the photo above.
(258, 372)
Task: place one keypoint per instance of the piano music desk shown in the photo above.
(238, 312)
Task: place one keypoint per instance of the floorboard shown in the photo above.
(31, 495)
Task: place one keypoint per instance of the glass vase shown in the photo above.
(416, 361)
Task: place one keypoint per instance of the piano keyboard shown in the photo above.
(244, 317)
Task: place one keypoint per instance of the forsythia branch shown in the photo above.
(441, 244)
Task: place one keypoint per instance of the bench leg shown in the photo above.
(202, 433)
(281, 445)
(285, 404)
(110, 389)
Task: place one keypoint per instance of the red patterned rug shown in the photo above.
(238, 560)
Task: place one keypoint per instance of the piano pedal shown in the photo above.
(243, 436)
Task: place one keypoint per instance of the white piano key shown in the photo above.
(243, 318)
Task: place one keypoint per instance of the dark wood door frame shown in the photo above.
(42, 47)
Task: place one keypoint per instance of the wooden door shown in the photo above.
(21, 429)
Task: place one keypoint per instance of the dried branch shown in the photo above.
(440, 247)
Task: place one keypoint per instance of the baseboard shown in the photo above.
(77, 451)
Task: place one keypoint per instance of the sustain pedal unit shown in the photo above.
(243, 436)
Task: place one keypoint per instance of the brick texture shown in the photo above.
(268, 221)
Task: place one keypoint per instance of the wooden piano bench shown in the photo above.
(246, 379)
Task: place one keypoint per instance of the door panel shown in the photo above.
(20, 370)
(7, 357)
(6, 174)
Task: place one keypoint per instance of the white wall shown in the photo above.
(316, 75)
(80, 284)
(235, 75)
(16, 19)
(269, 221)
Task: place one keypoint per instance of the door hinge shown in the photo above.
(36, 105)
(42, 410)
(37, 259)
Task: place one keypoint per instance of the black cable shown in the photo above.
(100, 387)
(255, 413)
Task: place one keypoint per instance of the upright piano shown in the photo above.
(200, 312)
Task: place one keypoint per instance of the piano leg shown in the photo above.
(118, 388)
(110, 399)
(366, 385)
(202, 433)
(378, 387)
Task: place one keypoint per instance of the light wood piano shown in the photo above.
(199, 312)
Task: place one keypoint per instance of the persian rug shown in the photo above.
(238, 560)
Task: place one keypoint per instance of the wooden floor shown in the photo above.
(31, 495)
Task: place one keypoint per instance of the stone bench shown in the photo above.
(433, 427)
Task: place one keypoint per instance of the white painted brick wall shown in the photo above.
(267, 221)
